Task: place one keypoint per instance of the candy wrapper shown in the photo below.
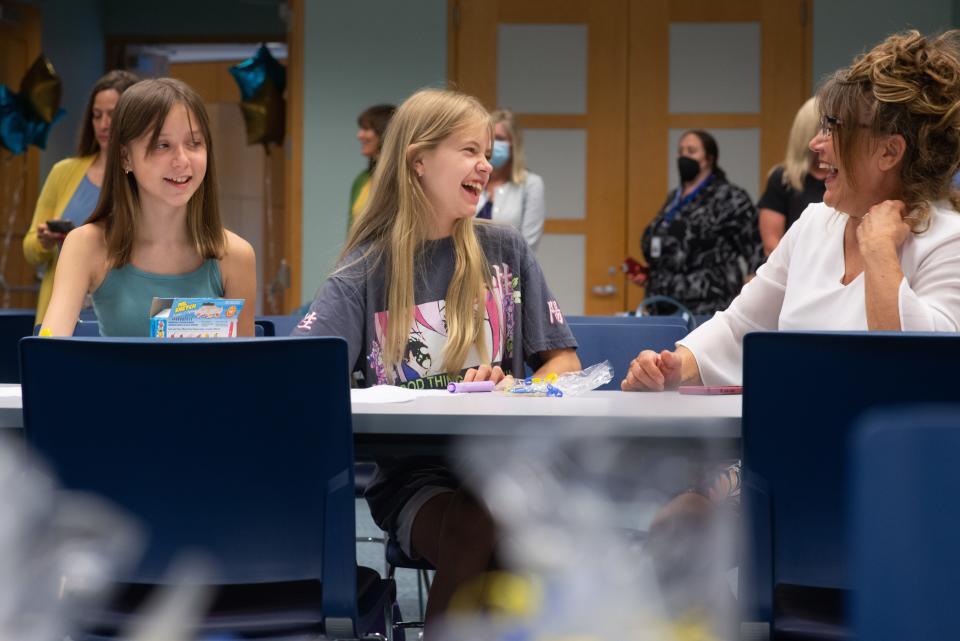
(567, 384)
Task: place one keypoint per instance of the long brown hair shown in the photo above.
(118, 80)
(908, 85)
(394, 225)
(142, 111)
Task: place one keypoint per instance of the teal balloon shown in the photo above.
(252, 73)
(20, 125)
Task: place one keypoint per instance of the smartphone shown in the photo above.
(58, 226)
(711, 389)
(633, 267)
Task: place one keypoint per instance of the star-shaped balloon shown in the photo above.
(265, 115)
(26, 118)
(253, 72)
(42, 88)
(262, 80)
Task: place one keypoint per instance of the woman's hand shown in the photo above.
(639, 279)
(880, 234)
(48, 239)
(484, 373)
(881, 230)
(653, 372)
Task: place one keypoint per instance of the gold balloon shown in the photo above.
(264, 115)
(42, 89)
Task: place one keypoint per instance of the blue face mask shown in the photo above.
(501, 153)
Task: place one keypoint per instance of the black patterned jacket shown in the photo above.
(711, 244)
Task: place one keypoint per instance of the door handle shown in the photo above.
(604, 290)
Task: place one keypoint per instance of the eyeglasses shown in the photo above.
(829, 124)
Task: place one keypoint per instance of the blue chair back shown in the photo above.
(282, 325)
(905, 526)
(264, 327)
(222, 446)
(626, 320)
(85, 328)
(620, 343)
(802, 395)
(14, 325)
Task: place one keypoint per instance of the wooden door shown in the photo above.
(252, 184)
(618, 55)
(738, 68)
(562, 67)
(19, 175)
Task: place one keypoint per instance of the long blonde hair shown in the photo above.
(394, 225)
(518, 159)
(796, 164)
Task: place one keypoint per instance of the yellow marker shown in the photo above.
(45, 332)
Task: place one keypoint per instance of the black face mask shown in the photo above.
(688, 168)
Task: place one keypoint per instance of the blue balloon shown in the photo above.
(253, 72)
(19, 125)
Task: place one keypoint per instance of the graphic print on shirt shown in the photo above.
(421, 363)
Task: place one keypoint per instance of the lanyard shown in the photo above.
(678, 202)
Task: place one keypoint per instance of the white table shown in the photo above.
(631, 415)
(647, 415)
(11, 412)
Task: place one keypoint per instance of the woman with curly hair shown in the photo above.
(882, 252)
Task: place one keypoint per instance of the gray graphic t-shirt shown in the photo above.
(522, 319)
(521, 316)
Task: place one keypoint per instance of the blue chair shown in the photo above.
(14, 325)
(282, 325)
(620, 343)
(85, 328)
(626, 320)
(802, 394)
(264, 327)
(905, 528)
(241, 449)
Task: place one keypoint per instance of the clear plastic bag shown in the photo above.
(566, 384)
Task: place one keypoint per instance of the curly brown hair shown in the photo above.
(908, 85)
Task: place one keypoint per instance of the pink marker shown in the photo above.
(476, 386)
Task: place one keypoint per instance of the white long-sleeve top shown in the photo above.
(520, 205)
(799, 289)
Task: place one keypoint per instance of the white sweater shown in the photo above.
(799, 289)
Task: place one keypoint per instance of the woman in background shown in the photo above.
(795, 183)
(373, 123)
(514, 195)
(703, 244)
(72, 188)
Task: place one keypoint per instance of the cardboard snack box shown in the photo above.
(195, 317)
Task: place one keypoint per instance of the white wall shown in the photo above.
(357, 54)
(844, 28)
(72, 38)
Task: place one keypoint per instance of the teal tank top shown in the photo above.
(123, 300)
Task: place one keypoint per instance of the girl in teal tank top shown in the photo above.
(156, 231)
(123, 300)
